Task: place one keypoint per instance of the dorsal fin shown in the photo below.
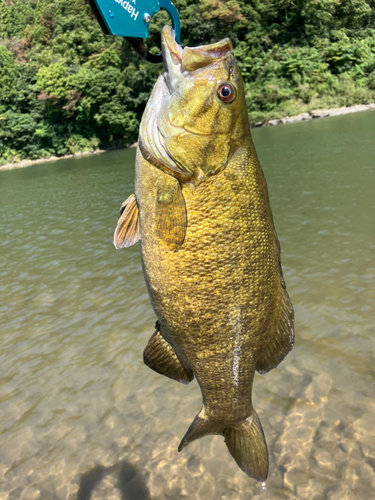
(282, 339)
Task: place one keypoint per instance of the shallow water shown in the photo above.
(83, 418)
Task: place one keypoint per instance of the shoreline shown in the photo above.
(28, 163)
(316, 113)
(312, 115)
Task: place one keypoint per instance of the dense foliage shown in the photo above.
(65, 87)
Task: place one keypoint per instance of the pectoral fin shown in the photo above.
(127, 230)
(282, 340)
(160, 357)
(170, 211)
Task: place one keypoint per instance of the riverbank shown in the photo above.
(27, 163)
(318, 113)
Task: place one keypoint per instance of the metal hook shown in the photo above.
(139, 46)
(138, 43)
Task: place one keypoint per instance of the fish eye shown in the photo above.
(226, 92)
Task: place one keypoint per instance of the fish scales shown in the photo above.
(187, 286)
(210, 254)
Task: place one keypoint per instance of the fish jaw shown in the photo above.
(172, 59)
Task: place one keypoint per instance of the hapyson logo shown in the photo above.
(129, 8)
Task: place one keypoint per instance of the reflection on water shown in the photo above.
(83, 418)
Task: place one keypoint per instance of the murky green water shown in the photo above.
(82, 417)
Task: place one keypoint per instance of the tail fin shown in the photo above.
(200, 427)
(244, 439)
(248, 447)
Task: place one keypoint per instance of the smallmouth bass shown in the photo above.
(210, 253)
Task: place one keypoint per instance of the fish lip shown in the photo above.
(169, 44)
(172, 58)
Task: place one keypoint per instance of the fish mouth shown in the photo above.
(172, 58)
(170, 48)
(178, 60)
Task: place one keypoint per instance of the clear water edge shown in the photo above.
(81, 416)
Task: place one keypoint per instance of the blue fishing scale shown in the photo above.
(131, 19)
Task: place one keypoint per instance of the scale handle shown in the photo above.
(131, 18)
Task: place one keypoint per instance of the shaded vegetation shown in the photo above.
(65, 87)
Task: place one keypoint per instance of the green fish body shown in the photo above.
(210, 253)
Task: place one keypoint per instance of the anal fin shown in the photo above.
(282, 339)
(160, 357)
(127, 231)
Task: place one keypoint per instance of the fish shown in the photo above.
(209, 249)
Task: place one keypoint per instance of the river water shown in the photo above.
(83, 418)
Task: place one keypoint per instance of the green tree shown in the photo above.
(65, 87)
